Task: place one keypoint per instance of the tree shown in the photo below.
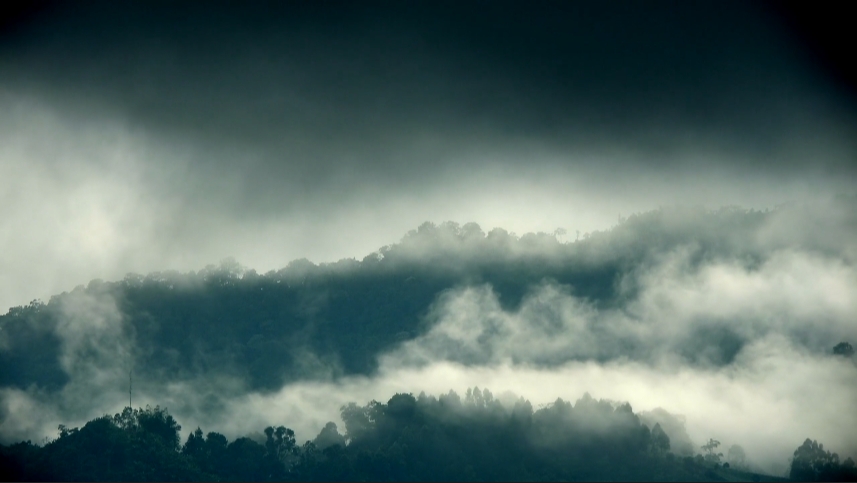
(736, 456)
(660, 440)
(329, 436)
(811, 462)
(160, 423)
(244, 460)
(155, 421)
(195, 444)
(358, 421)
(280, 451)
(711, 456)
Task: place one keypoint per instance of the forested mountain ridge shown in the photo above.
(655, 293)
(310, 321)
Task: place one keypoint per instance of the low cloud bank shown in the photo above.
(736, 339)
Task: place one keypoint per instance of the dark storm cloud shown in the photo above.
(309, 87)
(143, 135)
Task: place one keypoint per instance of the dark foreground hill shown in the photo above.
(409, 438)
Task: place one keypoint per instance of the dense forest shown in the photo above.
(448, 438)
(330, 321)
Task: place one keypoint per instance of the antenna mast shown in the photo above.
(130, 386)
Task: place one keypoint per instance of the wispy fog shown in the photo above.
(730, 328)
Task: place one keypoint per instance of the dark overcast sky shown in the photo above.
(156, 135)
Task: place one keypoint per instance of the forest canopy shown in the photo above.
(407, 438)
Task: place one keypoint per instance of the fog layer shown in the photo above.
(725, 318)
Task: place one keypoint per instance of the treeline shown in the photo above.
(811, 462)
(447, 438)
(303, 322)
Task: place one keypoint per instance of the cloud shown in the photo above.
(132, 140)
(281, 131)
(705, 313)
(731, 329)
(96, 352)
(742, 351)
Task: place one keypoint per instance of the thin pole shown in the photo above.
(130, 386)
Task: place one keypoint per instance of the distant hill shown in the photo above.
(328, 320)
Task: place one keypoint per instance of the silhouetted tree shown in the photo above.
(711, 454)
(328, 437)
(736, 456)
(811, 462)
(660, 440)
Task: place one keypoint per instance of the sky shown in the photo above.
(142, 136)
(151, 136)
